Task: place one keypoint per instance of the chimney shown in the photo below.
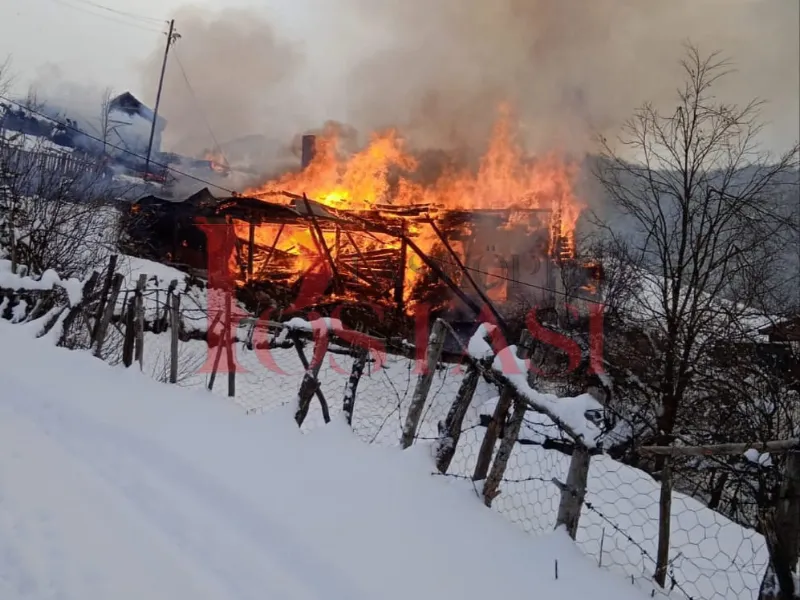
(309, 142)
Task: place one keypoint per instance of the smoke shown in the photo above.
(438, 70)
(228, 75)
(569, 68)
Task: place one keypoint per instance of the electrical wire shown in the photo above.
(136, 25)
(120, 12)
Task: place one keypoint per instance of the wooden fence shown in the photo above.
(781, 526)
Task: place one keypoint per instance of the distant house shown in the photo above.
(130, 122)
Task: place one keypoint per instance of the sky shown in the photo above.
(437, 68)
(97, 46)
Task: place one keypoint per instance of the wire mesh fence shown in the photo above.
(710, 557)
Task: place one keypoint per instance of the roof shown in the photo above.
(130, 105)
(787, 330)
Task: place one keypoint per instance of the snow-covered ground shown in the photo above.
(115, 486)
(711, 556)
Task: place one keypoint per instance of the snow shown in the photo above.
(573, 412)
(115, 486)
(326, 323)
(479, 346)
(32, 143)
(757, 458)
(47, 281)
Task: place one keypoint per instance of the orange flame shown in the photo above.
(382, 173)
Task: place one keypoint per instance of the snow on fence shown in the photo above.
(535, 458)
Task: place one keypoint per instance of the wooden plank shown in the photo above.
(775, 446)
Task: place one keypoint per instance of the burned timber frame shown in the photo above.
(167, 231)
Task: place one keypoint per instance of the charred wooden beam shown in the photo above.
(399, 285)
(322, 244)
(274, 245)
(250, 245)
(500, 321)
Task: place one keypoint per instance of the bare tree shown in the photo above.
(707, 207)
(55, 211)
(709, 220)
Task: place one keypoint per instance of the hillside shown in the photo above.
(112, 485)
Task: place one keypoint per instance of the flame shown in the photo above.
(382, 173)
(217, 161)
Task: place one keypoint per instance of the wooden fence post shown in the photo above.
(664, 522)
(433, 354)
(573, 491)
(491, 487)
(101, 305)
(88, 289)
(450, 428)
(781, 528)
(231, 342)
(174, 327)
(348, 405)
(499, 417)
(139, 310)
(298, 346)
(310, 384)
(127, 344)
(102, 328)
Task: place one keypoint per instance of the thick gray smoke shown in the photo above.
(438, 69)
(239, 72)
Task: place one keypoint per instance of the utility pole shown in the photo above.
(172, 36)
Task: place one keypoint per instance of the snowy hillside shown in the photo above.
(114, 486)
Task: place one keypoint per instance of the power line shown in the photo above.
(199, 108)
(120, 12)
(135, 25)
(115, 147)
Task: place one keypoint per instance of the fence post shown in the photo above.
(231, 342)
(174, 331)
(491, 488)
(348, 405)
(298, 346)
(102, 328)
(664, 521)
(101, 305)
(139, 304)
(88, 289)
(450, 428)
(499, 417)
(573, 491)
(310, 384)
(781, 528)
(127, 344)
(433, 354)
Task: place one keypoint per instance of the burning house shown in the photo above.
(496, 238)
